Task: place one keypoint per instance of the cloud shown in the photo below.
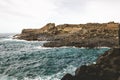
(33, 8)
(82, 11)
(20, 14)
(70, 6)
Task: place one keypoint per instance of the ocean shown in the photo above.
(28, 60)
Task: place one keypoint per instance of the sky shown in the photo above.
(16, 15)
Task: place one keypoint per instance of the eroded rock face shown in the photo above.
(79, 35)
(107, 67)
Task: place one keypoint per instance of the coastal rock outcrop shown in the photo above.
(90, 35)
(107, 67)
(79, 35)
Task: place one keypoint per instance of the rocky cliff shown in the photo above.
(79, 35)
(107, 67)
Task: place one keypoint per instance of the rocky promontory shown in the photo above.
(107, 67)
(90, 35)
(78, 35)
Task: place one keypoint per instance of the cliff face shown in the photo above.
(107, 67)
(79, 35)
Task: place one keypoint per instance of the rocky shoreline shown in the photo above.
(89, 35)
(107, 67)
(78, 35)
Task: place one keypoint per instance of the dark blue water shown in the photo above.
(27, 60)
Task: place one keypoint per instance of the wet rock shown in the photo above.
(107, 67)
(68, 77)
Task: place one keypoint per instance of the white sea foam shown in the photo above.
(10, 39)
(95, 47)
(42, 78)
(40, 47)
(70, 69)
(30, 59)
(18, 40)
(68, 47)
(94, 62)
(81, 47)
(5, 77)
(105, 47)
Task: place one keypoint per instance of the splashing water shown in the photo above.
(27, 60)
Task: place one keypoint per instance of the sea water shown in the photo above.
(28, 60)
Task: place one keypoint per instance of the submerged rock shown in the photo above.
(107, 67)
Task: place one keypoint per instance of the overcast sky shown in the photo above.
(18, 14)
